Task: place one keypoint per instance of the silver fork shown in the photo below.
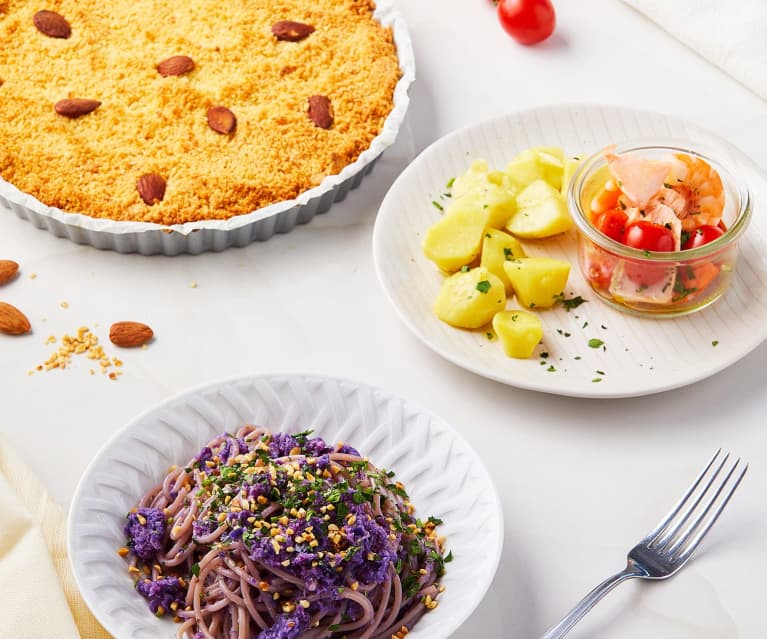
(667, 548)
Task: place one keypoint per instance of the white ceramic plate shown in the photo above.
(443, 475)
(640, 356)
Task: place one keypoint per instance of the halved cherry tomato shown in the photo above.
(612, 223)
(647, 236)
(702, 235)
(527, 21)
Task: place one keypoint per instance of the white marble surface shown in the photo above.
(580, 480)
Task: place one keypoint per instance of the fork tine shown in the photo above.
(691, 544)
(669, 534)
(650, 538)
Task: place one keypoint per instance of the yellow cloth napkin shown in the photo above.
(40, 598)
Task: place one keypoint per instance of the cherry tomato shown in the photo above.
(702, 235)
(612, 223)
(527, 21)
(647, 236)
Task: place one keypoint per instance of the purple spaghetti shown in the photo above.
(281, 536)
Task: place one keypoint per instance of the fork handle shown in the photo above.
(588, 602)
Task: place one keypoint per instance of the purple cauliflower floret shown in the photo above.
(348, 450)
(316, 446)
(372, 539)
(281, 445)
(205, 455)
(202, 528)
(161, 593)
(287, 626)
(323, 461)
(145, 531)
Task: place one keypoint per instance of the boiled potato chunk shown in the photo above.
(524, 169)
(535, 193)
(469, 299)
(537, 281)
(498, 248)
(489, 190)
(542, 212)
(538, 163)
(519, 332)
(456, 238)
(571, 166)
(470, 181)
(548, 218)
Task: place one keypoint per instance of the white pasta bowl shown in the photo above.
(443, 475)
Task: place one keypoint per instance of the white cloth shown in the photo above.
(40, 598)
(731, 34)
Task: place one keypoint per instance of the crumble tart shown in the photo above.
(152, 111)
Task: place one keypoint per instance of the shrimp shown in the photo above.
(693, 189)
(638, 178)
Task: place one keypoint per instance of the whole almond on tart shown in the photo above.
(221, 119)
(12, 320)
(75, 107)
(151, 188)
(8, 270)
(321, 111)
(52, 24)
(175, 65)
(130, 334)
(291, 31)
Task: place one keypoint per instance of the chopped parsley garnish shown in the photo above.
(437, 205)
(571, 303)
(684, 237)
(507, 253)
(551, 369)
(196, 570)
(597, 379)
(410, 585)
(595, 343)
(450, 183)
(465, 268)
(483, 286)
(681, 291)
(715, 343)
(544, 354)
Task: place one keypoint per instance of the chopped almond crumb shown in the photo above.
(83, 342)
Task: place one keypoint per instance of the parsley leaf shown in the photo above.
(571, 303)
(483, 286)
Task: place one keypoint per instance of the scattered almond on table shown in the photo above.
(130, 334)
(12, 320)
(8, 270)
